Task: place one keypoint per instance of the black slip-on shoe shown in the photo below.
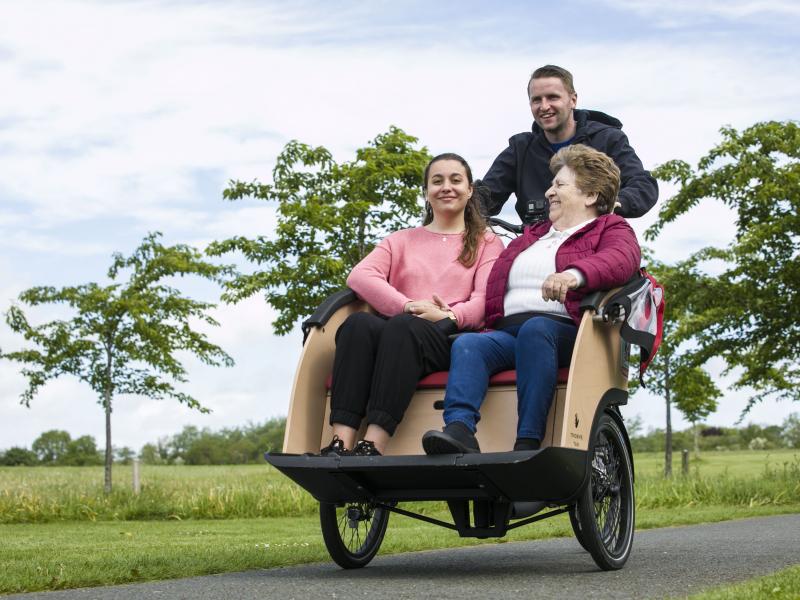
(365, 448)
(526, 444)
(455, 438)
(335, 448)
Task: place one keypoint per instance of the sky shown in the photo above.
(122, 118)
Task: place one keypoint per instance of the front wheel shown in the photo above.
(353, 532)
(605, 509)
(575, 521)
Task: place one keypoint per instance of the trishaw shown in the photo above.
(584, 467)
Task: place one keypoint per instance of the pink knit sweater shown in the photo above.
(414, 264)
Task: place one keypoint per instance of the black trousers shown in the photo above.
(378, 364)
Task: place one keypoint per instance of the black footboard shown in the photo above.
(552, 475)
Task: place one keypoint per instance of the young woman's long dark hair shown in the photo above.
(474, 221)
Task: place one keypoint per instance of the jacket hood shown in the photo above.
(590, 118)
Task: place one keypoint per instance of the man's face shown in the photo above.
(551, 105)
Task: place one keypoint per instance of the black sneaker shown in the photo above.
(335, 448)
(526, 444)
(455, 438)
(365, 448)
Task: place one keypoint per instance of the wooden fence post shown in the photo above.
(137, 486)
(685, 462)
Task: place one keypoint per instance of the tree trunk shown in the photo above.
(668, 440)
(697, 440)
(109, 451)
(107, 396)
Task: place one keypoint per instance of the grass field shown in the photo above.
(43, 494)
(60, 531)
(783, 585)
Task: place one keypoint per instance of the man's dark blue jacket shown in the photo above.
(524, 167)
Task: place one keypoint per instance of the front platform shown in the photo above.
(552, 475)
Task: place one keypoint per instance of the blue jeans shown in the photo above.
(537, 349)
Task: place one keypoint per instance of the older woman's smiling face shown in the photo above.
(569, 206)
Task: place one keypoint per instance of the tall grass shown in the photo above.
(772, 488)
(43, 494)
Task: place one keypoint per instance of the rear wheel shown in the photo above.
(605, 510)
(353, 532)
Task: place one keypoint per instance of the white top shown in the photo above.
(531, 267)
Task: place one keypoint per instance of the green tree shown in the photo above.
(154, 454)
(269, 436)
(124, 338)
(51, 446)
(742, 314)
(330, 215)
(696, 397)
(124, 455)
(18, 456)
(180, 444)
(82, 451)
(208, 449)
(791, 430)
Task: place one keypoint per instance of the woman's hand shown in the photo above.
(433, 314)
(430, 311)
(415, 307)
(556, 286)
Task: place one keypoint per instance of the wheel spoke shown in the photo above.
(357, 524)
(606, 509)
(607, 491)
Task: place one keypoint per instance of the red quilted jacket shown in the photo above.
(605, 251)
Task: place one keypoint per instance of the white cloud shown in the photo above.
(678, 13)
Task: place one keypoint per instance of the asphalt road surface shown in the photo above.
(664, 562)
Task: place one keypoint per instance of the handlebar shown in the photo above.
(515, 228)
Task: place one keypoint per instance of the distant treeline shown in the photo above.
(239, 445)
(242, 445)
(192, 446)
(749, 437)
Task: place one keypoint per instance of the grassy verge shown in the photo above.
(43, 494)
(783, 585)
(76, 554)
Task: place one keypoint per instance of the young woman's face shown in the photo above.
(448, 187)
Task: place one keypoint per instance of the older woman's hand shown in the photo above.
(556, 286)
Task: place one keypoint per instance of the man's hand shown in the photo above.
(556, 286)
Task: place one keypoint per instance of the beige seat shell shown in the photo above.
(599, 364)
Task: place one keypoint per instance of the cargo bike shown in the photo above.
(584, 466)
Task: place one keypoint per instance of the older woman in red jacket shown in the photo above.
(532, 300)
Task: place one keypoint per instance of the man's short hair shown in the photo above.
(595, 173)
(553, 71)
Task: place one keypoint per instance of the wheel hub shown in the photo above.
(355, 515)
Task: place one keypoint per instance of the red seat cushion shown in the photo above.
(438, 380)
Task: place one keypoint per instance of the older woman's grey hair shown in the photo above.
(595, 173)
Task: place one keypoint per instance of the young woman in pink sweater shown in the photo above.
(426, 282)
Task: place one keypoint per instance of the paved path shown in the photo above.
(665, 562)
